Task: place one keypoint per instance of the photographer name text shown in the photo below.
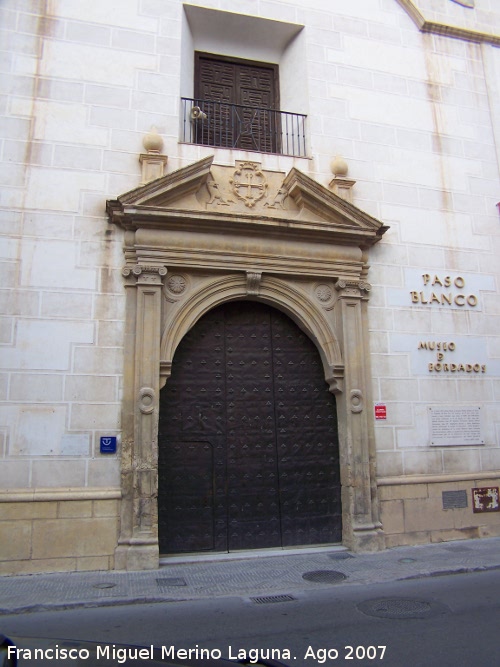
(119, 655)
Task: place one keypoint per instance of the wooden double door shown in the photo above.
(241, 101)
(248, 444)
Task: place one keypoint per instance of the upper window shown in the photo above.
(237, 74)
(236, 105)
(241, 99)
(242, 82)
(238, 102)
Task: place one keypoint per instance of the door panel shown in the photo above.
(187, 502)
(247, 437)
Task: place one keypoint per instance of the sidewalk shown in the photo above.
(252, 574)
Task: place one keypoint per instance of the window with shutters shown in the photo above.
(236, 105)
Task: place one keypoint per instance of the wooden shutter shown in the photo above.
(239, 99)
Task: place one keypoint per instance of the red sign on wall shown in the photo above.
(380, 411)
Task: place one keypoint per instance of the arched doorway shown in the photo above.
(248, 445)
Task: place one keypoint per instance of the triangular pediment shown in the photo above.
(173, 188)
(245, 194)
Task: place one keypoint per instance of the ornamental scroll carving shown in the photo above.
(355, 288)
(146, 274)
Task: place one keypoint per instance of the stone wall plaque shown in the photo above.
(451, 427)
(454, 500)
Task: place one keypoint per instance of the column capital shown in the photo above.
(353, 288)
(145, 274)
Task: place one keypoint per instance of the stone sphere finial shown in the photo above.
(339, 166)
(152, 141)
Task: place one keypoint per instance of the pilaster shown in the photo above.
(361, 530)
(138, 543)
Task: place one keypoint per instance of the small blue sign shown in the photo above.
(108, 444)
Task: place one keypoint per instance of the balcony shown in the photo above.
(224, 125)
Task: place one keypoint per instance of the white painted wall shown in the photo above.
(416, 117)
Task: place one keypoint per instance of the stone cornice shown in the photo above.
(299, 207)
(179, 183)
(309, 194)
(446, 30)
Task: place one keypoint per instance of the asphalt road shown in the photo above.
(449, 621)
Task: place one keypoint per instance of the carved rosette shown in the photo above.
(323, 293)
(353, 288)
(176, 284)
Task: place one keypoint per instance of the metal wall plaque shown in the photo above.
(454, 500)
(450, 427)
(485, 500)
(108, 444)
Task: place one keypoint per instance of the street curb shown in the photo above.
(85, 604)
(445, 573)
(115, 602)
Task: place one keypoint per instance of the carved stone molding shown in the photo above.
(353, 288)
(152, 166)
(177, 284)
(284, 240)
(145, 274)
(165, 372)
(356, 399)
(365, 287)
(216, 195)
(336, 379)
(323, 293)
(279, 199)
(147, 398)
(447, 30)
(253, 282)
(342, 187)
(249, 183)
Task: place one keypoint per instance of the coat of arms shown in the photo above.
(249, 183)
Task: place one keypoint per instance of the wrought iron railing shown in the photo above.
(238, 126)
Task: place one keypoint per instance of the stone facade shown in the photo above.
(390, 263)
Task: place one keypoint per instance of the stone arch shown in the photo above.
(305, 254)
(247, 417)
(273, 291)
